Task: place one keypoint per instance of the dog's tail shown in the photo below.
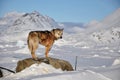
(7, 69)
(30, 43)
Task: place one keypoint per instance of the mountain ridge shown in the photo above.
(104, 32)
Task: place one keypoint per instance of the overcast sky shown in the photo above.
(63, 10)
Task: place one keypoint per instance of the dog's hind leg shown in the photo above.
(33, 45)
(33, 55)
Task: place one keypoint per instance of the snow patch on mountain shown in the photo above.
(111, 35)
(22, 24)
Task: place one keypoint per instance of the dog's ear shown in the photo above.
(53, 31)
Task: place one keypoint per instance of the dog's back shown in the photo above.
(44, 35)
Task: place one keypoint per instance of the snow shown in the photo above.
(97, 49)
(34, 70)
(47, 72)
(20, 43)
(23, 50)
(116, 62)
(84, 75)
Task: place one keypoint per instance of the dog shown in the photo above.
(45, 38)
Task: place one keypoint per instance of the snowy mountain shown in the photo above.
(8, 20)
(31, 21)
(96, 33)
(23, 23)
(112, 20)
(107, 31)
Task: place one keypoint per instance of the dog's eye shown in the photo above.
(59, 33)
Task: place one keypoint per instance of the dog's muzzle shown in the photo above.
(61, 37)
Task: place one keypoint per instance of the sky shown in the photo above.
(63, 10)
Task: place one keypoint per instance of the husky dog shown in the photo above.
(45, 38)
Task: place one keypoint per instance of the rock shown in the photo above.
(1, 74)
(57, 63)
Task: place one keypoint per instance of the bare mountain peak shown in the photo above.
(34, 13)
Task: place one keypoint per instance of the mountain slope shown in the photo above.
(112, 20)
(31, 21)
(9, 19)
(25, 23)
(108, 30)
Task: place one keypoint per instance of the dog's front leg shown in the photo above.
(47, 49)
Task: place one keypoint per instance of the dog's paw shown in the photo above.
(35, 59)
(46, 61)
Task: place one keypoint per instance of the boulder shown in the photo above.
(57, 63)
(1, 74)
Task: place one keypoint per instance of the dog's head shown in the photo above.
(58, 33)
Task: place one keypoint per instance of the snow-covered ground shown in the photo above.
(100, 63)
(97, 50)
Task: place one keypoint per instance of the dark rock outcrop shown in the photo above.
(57, 63)
(1, 74)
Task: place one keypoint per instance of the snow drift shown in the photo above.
(47, 72)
